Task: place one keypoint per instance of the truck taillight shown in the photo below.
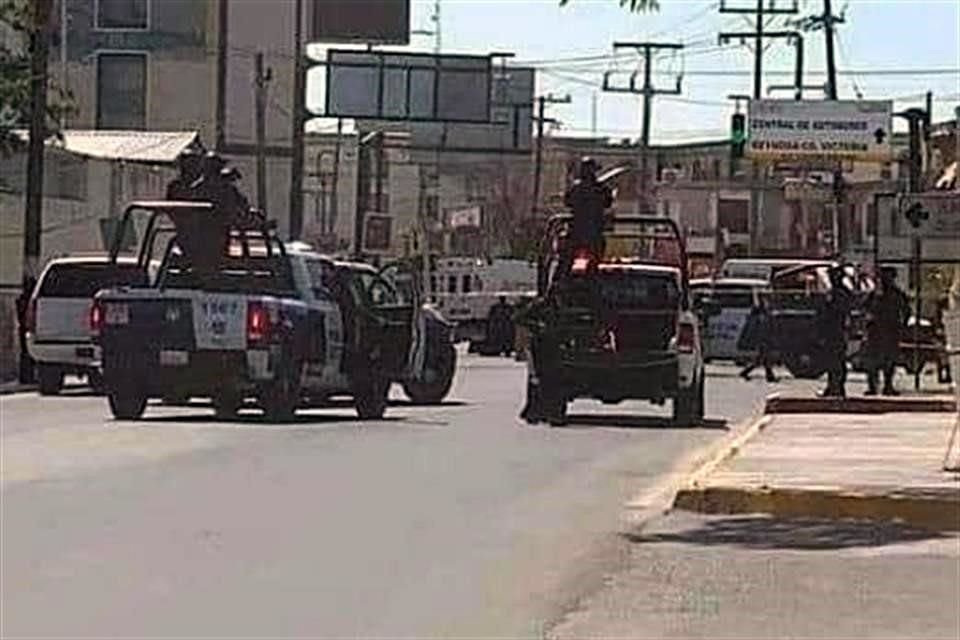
(581, 261)
(258, 322)
(686, 337)
(96, 318)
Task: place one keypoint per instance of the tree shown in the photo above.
(634, 5)
(16, 22)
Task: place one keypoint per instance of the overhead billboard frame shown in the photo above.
(409, 87)
(360, 22)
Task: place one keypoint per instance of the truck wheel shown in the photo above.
(370, 398)
(95, 380)
(440, 379)
(226, 404)
(688, 405)
(127, 400)
(280, 400)
(50, 379)
(804, 366)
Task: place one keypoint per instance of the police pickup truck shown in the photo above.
(616, 326)
(236, 315)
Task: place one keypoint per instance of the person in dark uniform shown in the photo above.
(27, 370)
(500, 328)
(189, 164)
(888, 310)
(544, 402)
(832, 329)
(757, 336)
(588, 200)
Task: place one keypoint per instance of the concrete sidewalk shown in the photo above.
(883, 462)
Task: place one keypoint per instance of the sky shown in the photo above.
(878, 35)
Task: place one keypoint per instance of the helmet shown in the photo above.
(213, 163)
(588, 168)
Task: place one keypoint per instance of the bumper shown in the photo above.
(611, 378)
(201, 373)
(79, 354)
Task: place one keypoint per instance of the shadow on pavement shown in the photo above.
(255, 417)
(626, 421)
(762, 532)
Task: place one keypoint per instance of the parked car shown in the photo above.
(734, 298)
(58, 326)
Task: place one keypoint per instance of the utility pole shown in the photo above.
(648, 91)
(759, 12)
(298, 121)
(541, 120)
(33, 213)
(260, 80)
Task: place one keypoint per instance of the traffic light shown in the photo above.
(738, 134)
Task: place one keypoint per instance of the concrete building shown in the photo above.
(175, 65)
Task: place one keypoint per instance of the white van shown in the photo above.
(735, 297)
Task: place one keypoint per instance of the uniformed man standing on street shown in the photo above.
(888, 310)
(832, 325)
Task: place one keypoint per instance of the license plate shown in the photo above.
(174, 358)
(117, 313)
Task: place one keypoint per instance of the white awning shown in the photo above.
(160, 147)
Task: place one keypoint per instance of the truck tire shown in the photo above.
(226, 404)
(128, 400)
(279, 401)
(434, 390)
(49, 379)
(804, 366)
(370, 397)
(688, 405)
(95, 380)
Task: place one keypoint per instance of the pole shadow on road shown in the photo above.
(626, 421)
(769, 533)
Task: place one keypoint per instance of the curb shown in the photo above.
(691, 470)
(778, 404)
(939, 512)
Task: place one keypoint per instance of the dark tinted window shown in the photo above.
(84, 280)
(733, 298)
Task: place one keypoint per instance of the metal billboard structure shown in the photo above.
(360, 21)
(379, 85)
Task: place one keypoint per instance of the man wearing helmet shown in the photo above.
(588, 200)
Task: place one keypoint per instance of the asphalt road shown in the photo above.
(447, 521)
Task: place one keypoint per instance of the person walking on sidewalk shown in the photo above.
(757, 336)
(887, 312)
(832, 330)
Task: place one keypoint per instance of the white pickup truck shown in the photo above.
(58, 334)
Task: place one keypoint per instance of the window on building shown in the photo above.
(121, 91)
(734, 215)
(122, 14)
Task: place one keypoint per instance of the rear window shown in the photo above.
(625, 290)
(733, 298)
(84, 280)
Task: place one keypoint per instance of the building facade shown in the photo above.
(177, 65)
